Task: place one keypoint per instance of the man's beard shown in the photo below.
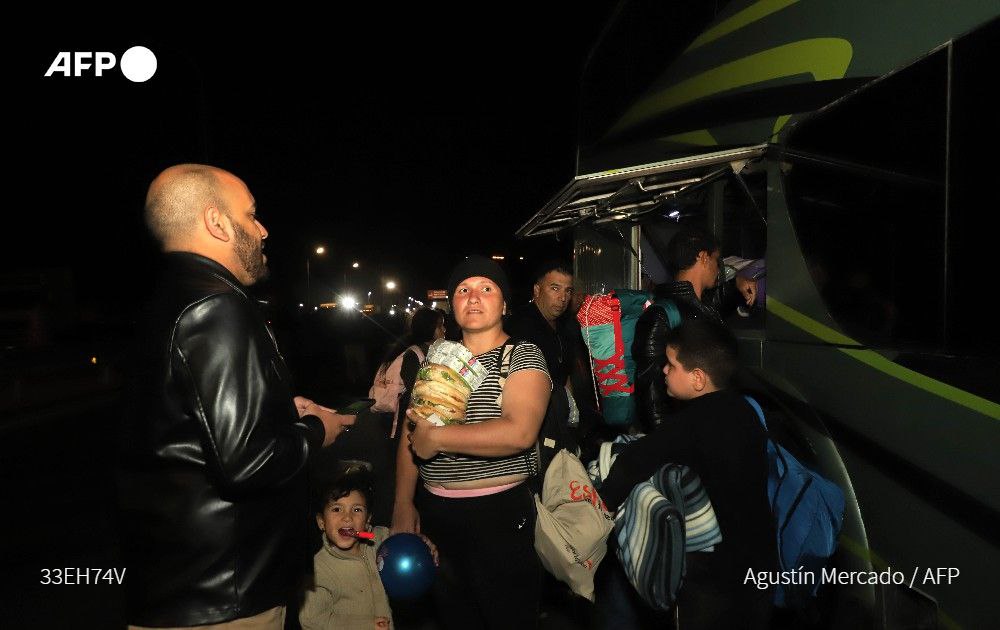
(250, 253)
(556, 311)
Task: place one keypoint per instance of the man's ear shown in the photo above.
(217, 223)
(536, 290)
(699, 379)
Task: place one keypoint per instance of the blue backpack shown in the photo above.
(808, 513)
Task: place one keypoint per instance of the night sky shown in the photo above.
(404, 141)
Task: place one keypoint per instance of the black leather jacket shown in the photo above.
(648, 348)
(214, 496)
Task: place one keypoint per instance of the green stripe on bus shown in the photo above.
(778, 124)
(882, 364)
(822, 57)
(701, 138)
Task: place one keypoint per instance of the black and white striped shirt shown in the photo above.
(484, 404)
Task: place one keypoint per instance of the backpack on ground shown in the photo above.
(388, 386)
(808, 513)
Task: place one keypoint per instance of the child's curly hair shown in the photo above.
(346, 480)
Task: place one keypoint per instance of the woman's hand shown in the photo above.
(405, 518)
(432, 547)
(421, 436)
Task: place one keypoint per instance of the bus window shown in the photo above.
(971, 340)
(601, 258)
(974, 199)
(866, 195)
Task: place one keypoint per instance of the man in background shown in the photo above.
(545, 322)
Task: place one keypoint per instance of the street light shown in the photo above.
(390, 286)
(354, 265)
(319, 251)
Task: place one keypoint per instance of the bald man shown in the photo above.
(214, 500)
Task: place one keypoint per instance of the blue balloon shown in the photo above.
(405, 565)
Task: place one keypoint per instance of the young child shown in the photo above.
(346, 592)
(716, 432)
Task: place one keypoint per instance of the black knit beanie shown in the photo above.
(478, 266)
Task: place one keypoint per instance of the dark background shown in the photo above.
(405, 142)
(403, 139)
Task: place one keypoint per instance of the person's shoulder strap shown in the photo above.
(760, 412)
(673, 314)
(669, 307)
(417, 351)
(505, 356)
(774, 449)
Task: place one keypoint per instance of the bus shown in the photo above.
(850, 145)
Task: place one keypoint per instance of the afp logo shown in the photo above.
(138, 64)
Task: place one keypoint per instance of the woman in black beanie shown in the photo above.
(473, 502)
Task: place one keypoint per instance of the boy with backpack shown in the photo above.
(718, 435)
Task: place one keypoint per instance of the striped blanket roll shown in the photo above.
(701, 525)
(650, 533)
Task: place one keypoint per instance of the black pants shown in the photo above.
(701, 604)
(490, 576)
